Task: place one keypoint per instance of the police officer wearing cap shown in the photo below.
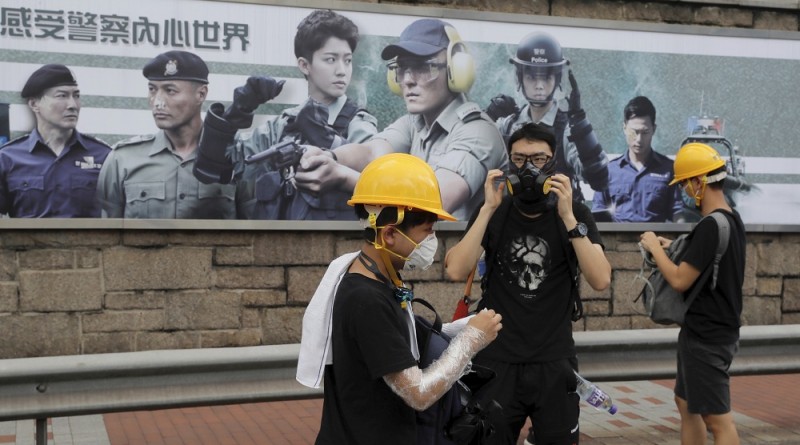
(431, 69)
(51, 172)
(151, 176)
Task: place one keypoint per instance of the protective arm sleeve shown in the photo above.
(421, 388)
(594, 161)
(212, 164)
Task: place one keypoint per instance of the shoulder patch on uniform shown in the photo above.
(95, 138)
(469, 112)
(15, 140)
(134, 140)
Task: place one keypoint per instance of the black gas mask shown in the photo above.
(529, 187)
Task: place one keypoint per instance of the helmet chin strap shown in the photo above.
(381, 246)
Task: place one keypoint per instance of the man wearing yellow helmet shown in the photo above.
(374, 385)
(709, 336)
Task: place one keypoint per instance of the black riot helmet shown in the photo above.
(539, 52)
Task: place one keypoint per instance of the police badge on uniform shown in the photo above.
(171, 68)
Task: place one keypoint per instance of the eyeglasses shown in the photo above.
(537, 159)
(421, 72)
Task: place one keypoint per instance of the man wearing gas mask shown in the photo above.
(271, 182)
(539, 65)
(534, 239)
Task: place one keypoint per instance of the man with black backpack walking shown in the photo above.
(709, 336)
(534, 241)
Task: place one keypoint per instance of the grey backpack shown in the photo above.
(662, 303)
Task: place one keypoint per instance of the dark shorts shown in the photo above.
(703, 379)
(545, 392)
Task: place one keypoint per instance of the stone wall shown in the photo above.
(65, 292)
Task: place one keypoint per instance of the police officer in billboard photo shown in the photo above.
(151, 176)
(539, 66)
(638, 180)
(432, 70)
(51, 172)
(264, 163)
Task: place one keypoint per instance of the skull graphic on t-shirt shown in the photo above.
(527, 260)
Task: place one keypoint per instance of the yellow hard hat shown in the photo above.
(400, 180)
(695, 159)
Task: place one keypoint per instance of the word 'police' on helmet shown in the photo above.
(541, 50)
(399, 180)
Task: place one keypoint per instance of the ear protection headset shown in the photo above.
(460, 66)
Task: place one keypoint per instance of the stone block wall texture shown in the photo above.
(94, 291)
(66, 292)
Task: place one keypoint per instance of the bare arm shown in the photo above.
(421, 388)
(591, 258)
(679, 276)
(454, 189)
(319, 171)
(461, 258)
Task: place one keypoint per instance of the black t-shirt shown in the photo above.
(530, 285)
(370, 339)
(715, 315)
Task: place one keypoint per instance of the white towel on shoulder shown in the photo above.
(315, 344)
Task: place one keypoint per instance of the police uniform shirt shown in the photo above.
(35, 183)
(462, 140)
(143, 177)
(640, 195)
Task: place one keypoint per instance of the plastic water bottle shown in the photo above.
(591, 394)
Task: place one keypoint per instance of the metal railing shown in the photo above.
(44, 387)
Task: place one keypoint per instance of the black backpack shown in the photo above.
(457, 418)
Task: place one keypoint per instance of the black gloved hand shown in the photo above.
(501, 106)
(249, 96)
(575, 111)
(311, 125)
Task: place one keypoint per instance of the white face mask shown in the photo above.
(423, 254)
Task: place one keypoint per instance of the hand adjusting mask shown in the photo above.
(529, 187)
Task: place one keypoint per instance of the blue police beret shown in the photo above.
(48, 76)
(176, 65)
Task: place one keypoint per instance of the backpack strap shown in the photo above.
(495, 233)
(347, 113)
(724, 232)
(572, 261)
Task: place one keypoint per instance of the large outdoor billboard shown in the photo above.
(734, 90)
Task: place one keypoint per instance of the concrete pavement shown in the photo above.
(766, 410)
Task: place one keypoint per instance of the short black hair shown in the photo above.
(533, 132)
(639, 106)
(388, 215)
(319, 26)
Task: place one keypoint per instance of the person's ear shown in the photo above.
(389, 234)
(202, 92)
(654, 128)
(304, 65)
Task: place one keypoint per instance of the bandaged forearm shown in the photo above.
(421, 388)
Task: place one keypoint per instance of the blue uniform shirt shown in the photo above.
(640, 195)
(34, 183)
